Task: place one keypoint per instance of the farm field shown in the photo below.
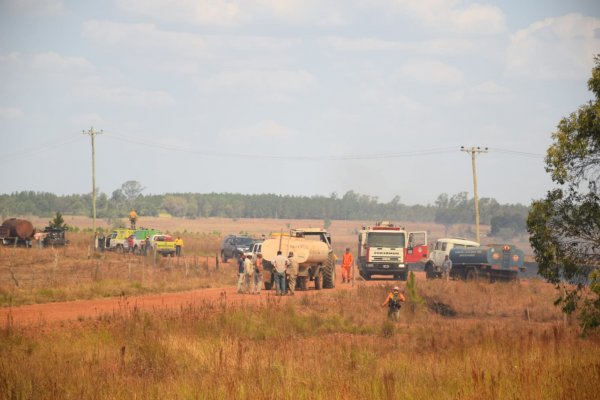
(75, 324)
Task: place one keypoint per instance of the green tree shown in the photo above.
(57, 222)
(565, 226)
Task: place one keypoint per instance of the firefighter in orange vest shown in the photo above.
(347, 263)
(133, 218)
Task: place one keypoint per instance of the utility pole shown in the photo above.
(474, 151)
(93, 134)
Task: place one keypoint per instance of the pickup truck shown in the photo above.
(163, 245)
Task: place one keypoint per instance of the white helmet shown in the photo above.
(396, 289)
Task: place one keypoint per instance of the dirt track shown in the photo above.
(85, 309)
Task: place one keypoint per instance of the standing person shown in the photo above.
(178, 246)
(347, 263)
(394, 302)
(146, 246)
(280, 264)
(258, 273)
(130, 243)
(248, 274)
(240, 262)
(446, 268)
(292, 273)
(133, 218)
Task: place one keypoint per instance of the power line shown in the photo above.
(42, 147)
(516, 152)
(342, 157)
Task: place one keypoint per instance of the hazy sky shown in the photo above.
(302, 97)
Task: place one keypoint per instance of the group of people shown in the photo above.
(250, 274)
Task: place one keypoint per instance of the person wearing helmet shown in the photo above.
(347, 262)
(394, 302)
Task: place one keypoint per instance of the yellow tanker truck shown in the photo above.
(312, 250)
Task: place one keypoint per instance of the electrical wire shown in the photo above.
(517, 152)
(40, 148)
(342, 157)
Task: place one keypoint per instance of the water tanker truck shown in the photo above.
(491, 262)
(312, 250)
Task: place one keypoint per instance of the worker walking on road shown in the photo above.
(394, 302)
(347, 263)
(446, 268)
(258, 273)
(292, 273)
(178, 246)
(280, 264)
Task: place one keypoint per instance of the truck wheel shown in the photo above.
(472, 275)
(403, 276)
(329, 273)
(120, 249)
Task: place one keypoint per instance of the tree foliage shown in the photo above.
(565, 226)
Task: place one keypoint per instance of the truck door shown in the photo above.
(416, 248)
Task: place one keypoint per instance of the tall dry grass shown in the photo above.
(323, 346)
(40, 275)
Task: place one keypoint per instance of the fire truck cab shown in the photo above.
(387, 249)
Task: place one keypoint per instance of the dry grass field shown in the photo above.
(455, 340)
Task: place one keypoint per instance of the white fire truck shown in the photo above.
(387, 249)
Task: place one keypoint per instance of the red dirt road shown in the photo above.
(85, 309)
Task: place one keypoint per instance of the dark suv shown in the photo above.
(234, 245)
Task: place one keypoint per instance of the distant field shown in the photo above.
(343, 233)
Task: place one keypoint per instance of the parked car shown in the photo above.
(234, 245)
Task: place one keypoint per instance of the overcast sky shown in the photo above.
(301, 97)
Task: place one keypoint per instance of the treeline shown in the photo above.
(446, 210)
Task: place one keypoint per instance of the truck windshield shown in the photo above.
(385, 239)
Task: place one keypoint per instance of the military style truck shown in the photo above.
(312, 250)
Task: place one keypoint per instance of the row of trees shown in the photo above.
(447, 210)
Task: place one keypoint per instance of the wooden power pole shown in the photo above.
(93, 134)
(474, 151)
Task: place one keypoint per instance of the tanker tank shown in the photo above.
(16, 232)
(491, 261)
(17, 228)
(312, 250)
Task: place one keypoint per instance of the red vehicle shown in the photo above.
(387, 249)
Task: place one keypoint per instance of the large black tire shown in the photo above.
(403, 276)
(329, 273)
